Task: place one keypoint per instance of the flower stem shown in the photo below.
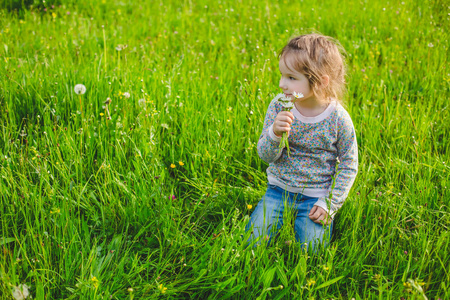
(81, 108)
(285, 143)
(104, 46)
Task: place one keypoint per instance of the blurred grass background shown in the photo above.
(153, 201)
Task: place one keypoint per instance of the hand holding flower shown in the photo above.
(283, 121)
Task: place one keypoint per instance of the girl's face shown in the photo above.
(293, 81)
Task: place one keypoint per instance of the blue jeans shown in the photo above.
(267, 218)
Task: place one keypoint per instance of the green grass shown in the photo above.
(87, 208)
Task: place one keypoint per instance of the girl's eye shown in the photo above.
(291, 78)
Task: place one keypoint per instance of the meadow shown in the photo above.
(146, 194)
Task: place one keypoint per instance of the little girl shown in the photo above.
(314, 177)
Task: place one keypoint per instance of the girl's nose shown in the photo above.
(282, 84)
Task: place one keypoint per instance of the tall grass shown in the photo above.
(153, 201)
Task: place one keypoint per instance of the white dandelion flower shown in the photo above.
(80, 89)
(126, 95)
(21, 292)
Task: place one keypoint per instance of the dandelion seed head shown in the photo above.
(126, 95)
(79, 89)
(21, 292)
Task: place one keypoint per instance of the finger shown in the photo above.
(283, 125)
(315, 217)
(285, 119)
(318, 214)
(279, 129)
(286, 125)
(286, 115)
(325, 220)
(286, 112)
(319, 220)
(313, 210)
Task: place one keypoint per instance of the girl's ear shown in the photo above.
(325, 80)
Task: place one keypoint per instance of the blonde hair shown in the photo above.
(316, 55)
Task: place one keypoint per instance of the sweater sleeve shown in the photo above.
(269, 144)
(347, 167)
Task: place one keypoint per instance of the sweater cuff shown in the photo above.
(272, 134)
(323, 204)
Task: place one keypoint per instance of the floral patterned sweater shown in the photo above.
(323, 153)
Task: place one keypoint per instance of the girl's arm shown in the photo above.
(269, 144)
(347, 169)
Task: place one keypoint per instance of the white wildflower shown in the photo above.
(126, 95)
(120, 47)
(21, 292)
(298, 95)
(80, 89)
(286, 102)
